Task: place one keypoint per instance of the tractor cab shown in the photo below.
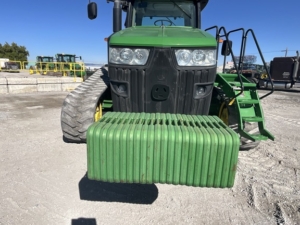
(67, 64)
(163, 13)
(65, 58)
(44, 64)
(155, 13)
(44, 59)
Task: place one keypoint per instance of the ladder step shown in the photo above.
(248, 101)
(259, 137)
(263, 135)
(238, 84)
(249, 85)
(252, 119)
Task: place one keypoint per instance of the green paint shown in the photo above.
(247, 104)
(144, 148)
(163, 37)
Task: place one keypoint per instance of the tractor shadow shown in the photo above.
(84, 221)
(92, 190)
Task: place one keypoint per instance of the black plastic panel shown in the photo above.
(282, 69)
(162, 73)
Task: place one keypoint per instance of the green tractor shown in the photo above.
(66, 63)
(159, 112)
(44, 65)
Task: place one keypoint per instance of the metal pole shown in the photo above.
(296, 66)
(286, 51)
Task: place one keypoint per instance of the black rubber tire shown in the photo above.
(245, 144)
(79, 107)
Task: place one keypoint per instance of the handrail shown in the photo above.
(239, 68)
(242, 46)
(217, 39)
(233, 58)
(263, 60)
(42, 68)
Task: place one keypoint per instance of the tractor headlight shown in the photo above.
(183, 57)
(128, 56)
(198, 57)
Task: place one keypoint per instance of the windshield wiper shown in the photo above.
(181, 9)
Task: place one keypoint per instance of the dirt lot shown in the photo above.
(43, 179)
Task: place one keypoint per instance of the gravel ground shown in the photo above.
(43, 179)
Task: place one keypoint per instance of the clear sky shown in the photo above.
(47, 27)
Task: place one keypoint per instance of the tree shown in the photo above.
(248, 59)
(13, 52)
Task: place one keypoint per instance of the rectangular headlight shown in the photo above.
(128, 56)
(195, 57)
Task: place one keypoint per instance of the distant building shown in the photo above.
(2, 62)
(228, 66)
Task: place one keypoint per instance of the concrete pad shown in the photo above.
(69, 86)
(27, 88)
(49, 87)
(3, 89)
(47, 80)
(3, 81)
(71, 79)
(18, 81)
(3, 86)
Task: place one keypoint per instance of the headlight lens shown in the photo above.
(183, 57)
(198, 57)
(141, 56)
(128, 56)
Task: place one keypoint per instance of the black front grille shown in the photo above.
(161, 86)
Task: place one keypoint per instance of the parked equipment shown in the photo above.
(2, 62)
(66, 63)
(11, 67)
(45, 65)
(169, 117)
(285, 70)
(253, 72)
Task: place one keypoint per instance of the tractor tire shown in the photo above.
(232, 121)
(80, 105)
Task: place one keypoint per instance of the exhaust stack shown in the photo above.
(117, 16)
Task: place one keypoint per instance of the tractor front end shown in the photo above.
(162, 69)
(163, 80)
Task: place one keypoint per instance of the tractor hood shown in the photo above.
(163, 37)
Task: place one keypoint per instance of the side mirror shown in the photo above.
(80, 57)
(92, 10)
(226, 46)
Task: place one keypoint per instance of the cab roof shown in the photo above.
(203, 2)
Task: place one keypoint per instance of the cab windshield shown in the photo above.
(164, 13)
(48, 59)
(66, 58)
